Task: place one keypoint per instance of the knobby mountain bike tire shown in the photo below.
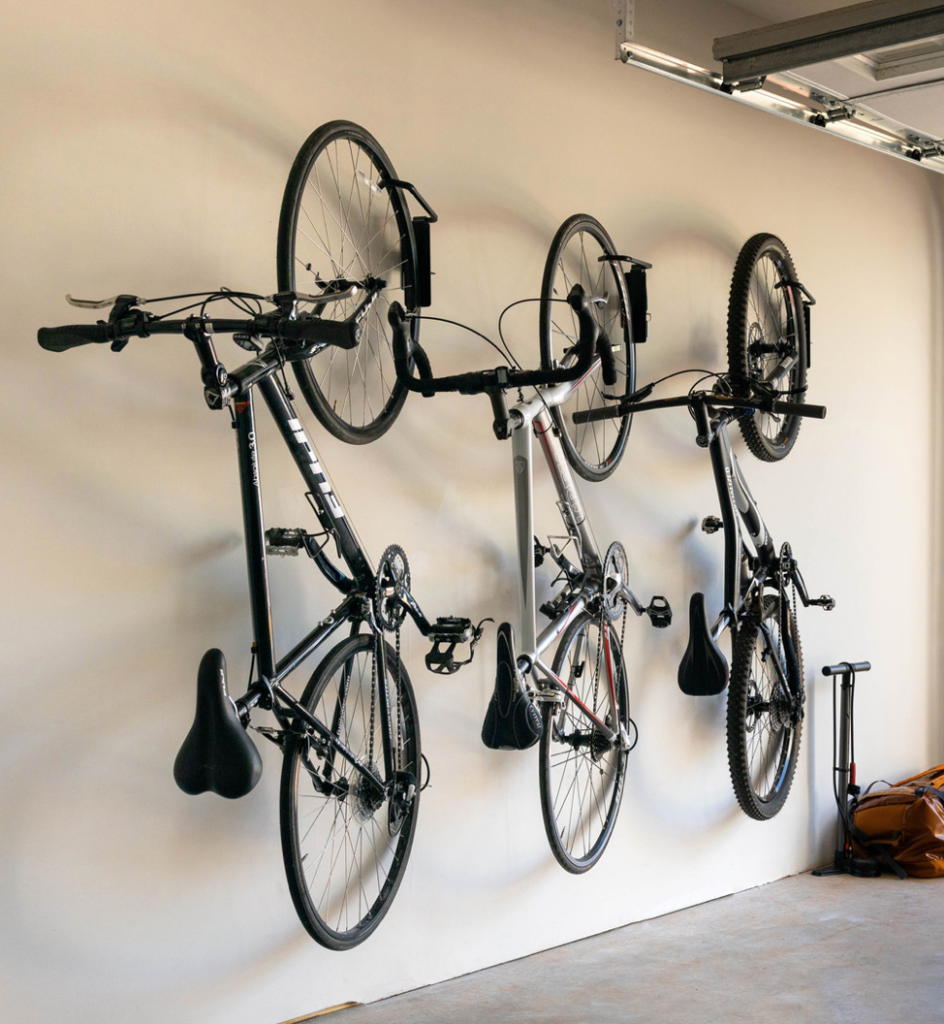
(345, 850)
(592, 449)
(766, 325)
(340, 222)
(582, 773)
(764, 720)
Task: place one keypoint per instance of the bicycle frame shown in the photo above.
(529, 418)
(747, 541)
(331, 516)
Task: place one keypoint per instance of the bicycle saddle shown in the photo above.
(512, 722)
(218, 754)
(703, 670)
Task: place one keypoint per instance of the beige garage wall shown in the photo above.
(146, 148)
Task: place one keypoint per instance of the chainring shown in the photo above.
(391, 584)
(615, 577)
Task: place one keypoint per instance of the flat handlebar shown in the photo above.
(719, 401)
(502, 377)
(304, 331)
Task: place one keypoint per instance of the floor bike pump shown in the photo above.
(844, 774)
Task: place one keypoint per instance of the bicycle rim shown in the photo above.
(582, 774)
(345, 847)
(340, 223)
(763, 723)
(593, 449)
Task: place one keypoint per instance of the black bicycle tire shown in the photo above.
(594, 449)
(763, 805)
(314, 919)
(592, 848)
(372, 358)
(749, 327)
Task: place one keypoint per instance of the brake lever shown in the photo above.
(126, 300)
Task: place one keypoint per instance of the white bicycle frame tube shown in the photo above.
(530, 418)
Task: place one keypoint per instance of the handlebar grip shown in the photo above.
(314, 330)
(817, 412)
(58, 339)
(606, 412)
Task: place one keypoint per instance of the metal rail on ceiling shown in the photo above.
(759, 68)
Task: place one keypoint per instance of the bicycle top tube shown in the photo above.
(500, 378)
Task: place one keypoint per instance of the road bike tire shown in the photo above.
(764, 723)
(766, 324)
(338, 222)
(345, 854)
(582, 775)
(592, 449)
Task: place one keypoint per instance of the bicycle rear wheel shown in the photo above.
(582, 773)
(341, 223)
(344, 845)
(593, 449)
(767, 341)
(764, 718)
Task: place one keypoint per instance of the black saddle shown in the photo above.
(512, 722)
(703, 670)
(218, 754)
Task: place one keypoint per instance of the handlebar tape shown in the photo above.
(475, 383)
(607, 359)
(58, 339)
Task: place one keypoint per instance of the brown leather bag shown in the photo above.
(904, 824)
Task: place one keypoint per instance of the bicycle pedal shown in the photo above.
(284, 543)
(446, 634)
(659, 612)
(825, 602)
(451, 629)
(711, 524)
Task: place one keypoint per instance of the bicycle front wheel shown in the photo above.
(593, 449)
(342, 223)
(764, 717)
(767, 342)
(582, 772)
(345, 845)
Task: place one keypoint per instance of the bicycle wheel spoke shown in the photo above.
(342, 863)
(582, 773)
(335, 213)
(592, 449)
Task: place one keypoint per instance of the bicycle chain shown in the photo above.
(378, 639)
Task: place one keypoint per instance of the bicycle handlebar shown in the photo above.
(720, 401)
(303, 331)
(477, 382)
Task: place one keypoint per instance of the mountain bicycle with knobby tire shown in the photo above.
(353, 766)
(768, 341)
(762, 583)
(577, 707)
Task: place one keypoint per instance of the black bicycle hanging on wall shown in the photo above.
(768, 358)
(353, 765)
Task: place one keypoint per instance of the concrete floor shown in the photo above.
(834, 950)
